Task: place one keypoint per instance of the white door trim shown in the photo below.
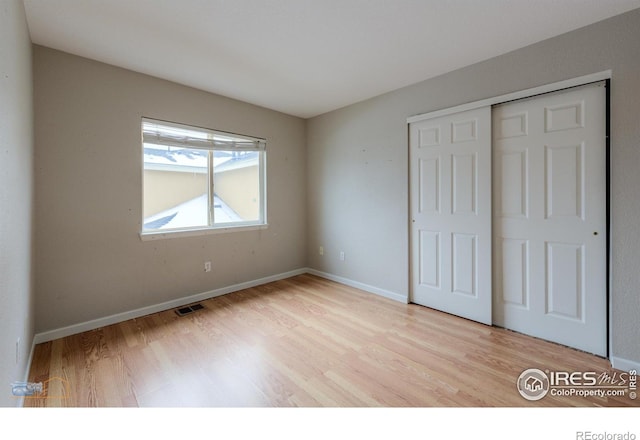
(553, 87)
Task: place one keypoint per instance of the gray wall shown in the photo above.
(358, 161)
(90, 261)
(16, 189)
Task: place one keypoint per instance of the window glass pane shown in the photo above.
(175, 187)
(236, 177)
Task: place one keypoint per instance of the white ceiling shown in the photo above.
(303, 57)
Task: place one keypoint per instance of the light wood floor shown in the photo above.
(304, 341)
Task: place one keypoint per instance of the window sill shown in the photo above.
(162, 235)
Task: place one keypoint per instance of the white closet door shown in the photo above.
(450, 161)
(550, 217)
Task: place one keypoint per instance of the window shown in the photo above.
(200, 179)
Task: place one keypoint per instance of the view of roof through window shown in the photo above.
(217, 183)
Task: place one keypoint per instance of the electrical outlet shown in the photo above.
(321, 251)
(341, 255)
(207, 266)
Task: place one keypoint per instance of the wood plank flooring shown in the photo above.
(303, 341)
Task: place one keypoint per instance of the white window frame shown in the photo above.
(211, 144)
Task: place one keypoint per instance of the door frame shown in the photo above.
(528, 93)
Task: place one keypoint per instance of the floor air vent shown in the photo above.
(189, 309)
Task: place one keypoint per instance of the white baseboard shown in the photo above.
(624, 364)
(358, 285)
(50, 335)
(124, 316)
